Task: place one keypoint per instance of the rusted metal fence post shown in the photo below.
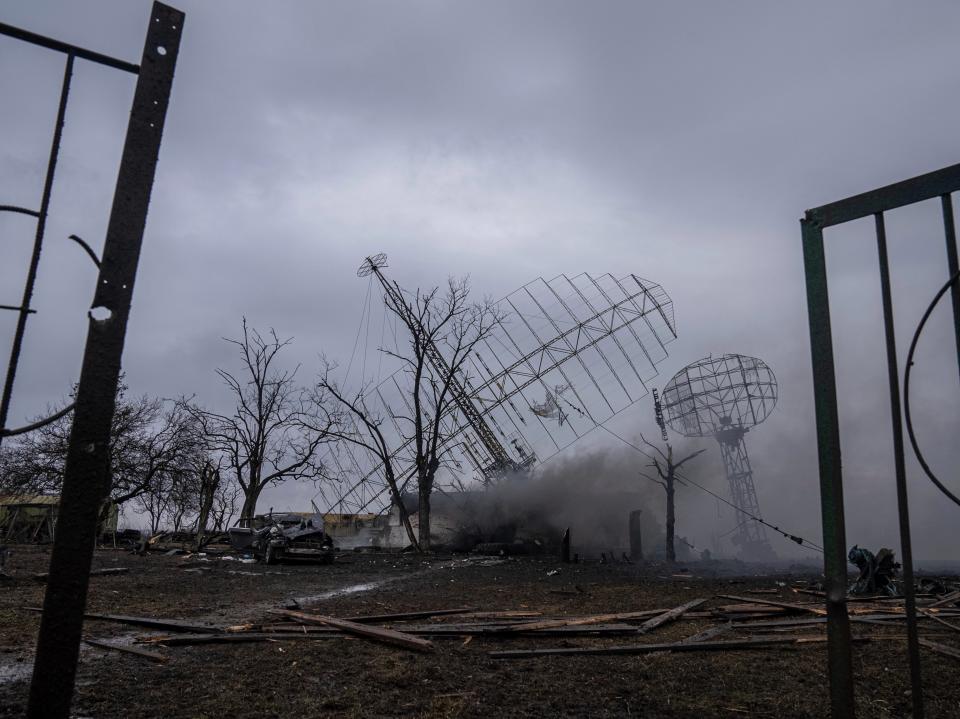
(839, 658)
(85, 478)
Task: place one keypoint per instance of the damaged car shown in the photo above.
(275, 537)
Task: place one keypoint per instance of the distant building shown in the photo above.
(33, 519)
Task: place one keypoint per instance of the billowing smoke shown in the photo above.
(592, 494)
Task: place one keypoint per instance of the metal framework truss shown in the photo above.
(717, 393)
(722, 398)
(750, 535)
(570, 353)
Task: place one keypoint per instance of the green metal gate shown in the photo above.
(940, 183)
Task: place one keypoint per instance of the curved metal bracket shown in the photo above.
(37, 425)
(88, 249)
(19, 210)
(906, 391)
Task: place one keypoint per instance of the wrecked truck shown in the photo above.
(273, 537)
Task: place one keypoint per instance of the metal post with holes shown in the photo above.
(940, 183)
(85, 486)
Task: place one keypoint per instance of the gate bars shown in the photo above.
(72, 52)
(940, 183)
(84, 483)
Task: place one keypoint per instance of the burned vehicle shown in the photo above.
(272, 537)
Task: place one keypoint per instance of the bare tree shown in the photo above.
(364, 428)
(443, 328)
(225, 499)
(149, 442)
(209, 479)
(666, 468)
(269, 437)
(154, 502)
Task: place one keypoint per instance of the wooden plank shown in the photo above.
(153, 656)
(750, 609)
(952, 597)
(108, 572)
(811, 592)
(937, 619)
(669, 616)
(172, 625)
(940, 648)
(576, 630)
(514, 614)
(733, 644)
(402, 616)
(379, 634)
(708, 633)
(183, 640)
(783, 605)
(578, 621)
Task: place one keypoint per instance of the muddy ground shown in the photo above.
(343, 677)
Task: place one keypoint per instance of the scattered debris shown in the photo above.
(876, 572)
(273, 537)
(137, 651)
(109, 572)
(388, 636)
(819, 611)
(669, 616)
(940, 648)
(759, 643)
(172, 625)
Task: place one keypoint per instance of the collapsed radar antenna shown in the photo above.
(372, 264)
(723, 398)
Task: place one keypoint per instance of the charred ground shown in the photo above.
(343, 677)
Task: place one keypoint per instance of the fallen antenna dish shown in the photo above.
(579, 348)
(372, 264)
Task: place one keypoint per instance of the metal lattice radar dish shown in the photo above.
(570, 353)
(723, 397)
(720, 393)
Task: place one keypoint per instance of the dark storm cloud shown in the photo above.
(678, 141)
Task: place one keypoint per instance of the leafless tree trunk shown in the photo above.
(360, 427)
(208, 485)
(269, 437)
(225, 504)
(666, 469)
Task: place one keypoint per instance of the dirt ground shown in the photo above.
(343, 677)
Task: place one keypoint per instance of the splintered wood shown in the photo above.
(766, 623)
(388, 636)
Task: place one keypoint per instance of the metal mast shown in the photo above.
(502, 461)
(749, 535)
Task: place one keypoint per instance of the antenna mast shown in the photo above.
(502, 461)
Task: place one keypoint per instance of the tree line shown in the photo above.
(184, 466)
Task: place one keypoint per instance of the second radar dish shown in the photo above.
(718, 393)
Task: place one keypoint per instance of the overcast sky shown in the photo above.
(678, 141)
